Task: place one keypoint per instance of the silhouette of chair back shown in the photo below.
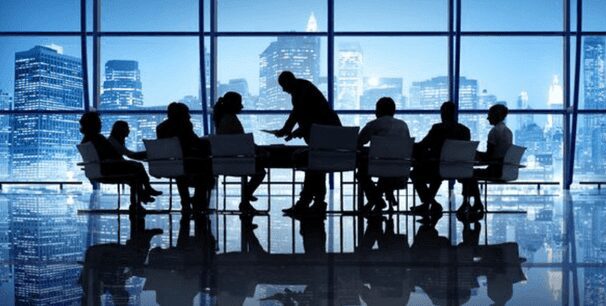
(390, 156)
(332, 148)
(91, 162)
(164, 157)
(457, 159)
(511, 163)
(233, 155)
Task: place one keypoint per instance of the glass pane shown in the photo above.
(521, 72)
(590, 155)
(272, 15)
(367, 69)
(149, 15)
(251, 66)
(134, 78)
(391, 15)
(593, 15)
(593, 73)
(42, 73)
(516, 15)
(541, 135)
(418, 124)
(255, 123)
(40, 15)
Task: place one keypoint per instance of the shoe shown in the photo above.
(299, 207)
(435, 208)
(463, 212)
(248, 209)
(252, 198)
(147, 198)
(154, 192)
(420, 209)
(318, 208)
(477, 212)
(366, 209)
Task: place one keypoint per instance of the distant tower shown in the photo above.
(312, 23)
(556, 102)
(122, 85)
(525, 119)
(301, 55)
(43, 145)
(350, 78)
(6, 103)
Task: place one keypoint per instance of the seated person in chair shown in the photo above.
(384, 125)
(226, 122)
(90, 127)
(427, 157)
(117, 138)
(196, 152)
(498, 142)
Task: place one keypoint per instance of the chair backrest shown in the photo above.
(390, 156)
(511, 163)
(165, 157)
(233, 154)
(457, 159)
(332, 148)
(92, 167)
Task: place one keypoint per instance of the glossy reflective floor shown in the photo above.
(50, 254)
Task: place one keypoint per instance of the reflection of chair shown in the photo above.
(233, 155)
(389, 157)
(165, 160)
(332, 149)
(93, 171)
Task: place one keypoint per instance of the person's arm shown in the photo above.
(365, 135)
(288, 125)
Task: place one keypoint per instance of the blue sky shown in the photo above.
(169, 65)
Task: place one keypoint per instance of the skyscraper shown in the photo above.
(594, 94)
(350, 77)
(43, 145)
(6, 103)
(555, 101)
(376, 88)
(301, 55)
(122, 87)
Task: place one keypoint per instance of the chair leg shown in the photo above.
(118, 208)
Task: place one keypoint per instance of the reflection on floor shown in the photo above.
(51, 254)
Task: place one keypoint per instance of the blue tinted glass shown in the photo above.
(514, 15)
(593, 15)
(272, 15)
(523, 72)
(391, 15)
(149, 15)
(156, 71)
(40, 15)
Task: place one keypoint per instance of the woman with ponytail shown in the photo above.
(226, 122)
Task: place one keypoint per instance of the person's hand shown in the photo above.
(281, 133)
(298, 133)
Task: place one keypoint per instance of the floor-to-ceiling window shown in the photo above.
(129, 59)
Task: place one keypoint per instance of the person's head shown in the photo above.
(497, 113)
(120, 129)
(287, 80)
(178, 111)
(447, 111)
(90, 123)
(230, 103)
(385, 107)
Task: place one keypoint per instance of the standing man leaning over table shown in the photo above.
(309, 106)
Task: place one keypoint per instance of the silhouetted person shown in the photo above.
(384, 125)
(117, 138)
(499, 141)
(309, 106)
(226, 122)
(113, 164)
(427, 157)
(196, 152)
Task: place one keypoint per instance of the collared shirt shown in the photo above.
(501, 138)
(383, 126)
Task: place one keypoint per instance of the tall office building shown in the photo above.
(6, 103)
(430, 94)
(555, 101)
(591, 153)
(350, 77)
(43, 145)
(122, 88)
(301, 55)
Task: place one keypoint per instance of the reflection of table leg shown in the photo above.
(360, 225)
